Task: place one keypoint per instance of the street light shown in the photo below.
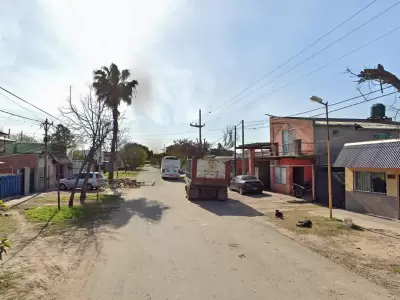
(328, 144)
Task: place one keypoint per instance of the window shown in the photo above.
(370, 182)
(382, 136)
(280, 175)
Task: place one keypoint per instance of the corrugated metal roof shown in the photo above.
(366, 125)
(373, 154)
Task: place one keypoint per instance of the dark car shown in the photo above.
(246, 184)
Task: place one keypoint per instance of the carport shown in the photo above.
(259, 162)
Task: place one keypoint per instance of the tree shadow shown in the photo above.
(229, 208)
(150, 210)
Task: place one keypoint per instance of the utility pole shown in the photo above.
(243, 161)
(46, 125)
(199, 126)
(234, 155)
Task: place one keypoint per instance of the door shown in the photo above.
(298, 175)
(32, 181)
(285, 137)
(81, 179)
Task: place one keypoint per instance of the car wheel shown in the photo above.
(241, 191)
(89, 187)
(63, 186)
(230, 188)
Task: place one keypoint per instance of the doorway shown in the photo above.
(298, 175)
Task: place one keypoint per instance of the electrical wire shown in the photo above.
(16, 103)
(320, 51)
(299, 53)
(19, 116)
(327, 64)
(27, 102)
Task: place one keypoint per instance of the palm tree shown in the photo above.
(112, 87)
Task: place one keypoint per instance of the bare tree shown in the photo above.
(92, 122)
(376, 76)
(228, 140)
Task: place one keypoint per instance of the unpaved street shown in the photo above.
(162, 246)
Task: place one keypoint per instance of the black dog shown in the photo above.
(304, 224)
(278, 214)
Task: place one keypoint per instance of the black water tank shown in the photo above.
(378, 111)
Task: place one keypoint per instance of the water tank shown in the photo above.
(378, 111)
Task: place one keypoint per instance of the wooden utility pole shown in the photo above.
(46, 125)
(199, 126)
(243, 161)
(234, 155)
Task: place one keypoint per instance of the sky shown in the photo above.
(189, 55)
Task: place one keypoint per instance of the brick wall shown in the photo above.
(19, 161)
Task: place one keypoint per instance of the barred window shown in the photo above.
(370, 182)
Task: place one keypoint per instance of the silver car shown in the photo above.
(95, 179)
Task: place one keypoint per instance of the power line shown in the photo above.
(19, 116)
(7, 91)
(16, 103)
(354, 104)
(320, 51)
(328, 64)
(296, 55)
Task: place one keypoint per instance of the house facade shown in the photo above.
(372, 177)
(299, 149)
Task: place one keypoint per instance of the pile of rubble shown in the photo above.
(126, 183)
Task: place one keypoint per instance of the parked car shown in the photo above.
(95, 179)
(246, 184)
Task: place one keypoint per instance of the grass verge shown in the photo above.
(66, 215)
(322, 226)
(124, 174)
(64, 197)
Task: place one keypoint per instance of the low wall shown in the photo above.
(376, 204)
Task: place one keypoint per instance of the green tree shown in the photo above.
(62, 139)
(132, 155)
(112, 87)
(221, 151)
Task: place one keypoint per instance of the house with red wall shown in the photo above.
(292, 153)
(299, 150)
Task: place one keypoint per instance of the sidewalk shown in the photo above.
(365, 221)
(15, 202)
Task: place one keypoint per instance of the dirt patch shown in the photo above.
(374, 255)
(47, 245)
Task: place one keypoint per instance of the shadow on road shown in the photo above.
(229, 208)
(149, 210)
(180, 180)
(258, 195)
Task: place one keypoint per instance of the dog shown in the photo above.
(279, 214)
(304, 224)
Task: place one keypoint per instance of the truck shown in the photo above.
(207, 178)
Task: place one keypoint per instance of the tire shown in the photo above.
(63, 186)
(89, 187)
(230, 188)
(298, 193)
(241, 191)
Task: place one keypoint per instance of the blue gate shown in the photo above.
(10, 185)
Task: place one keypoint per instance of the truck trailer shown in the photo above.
(207, 178)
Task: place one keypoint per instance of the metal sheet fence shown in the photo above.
(10, 185)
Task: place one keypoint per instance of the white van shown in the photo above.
(170, 167)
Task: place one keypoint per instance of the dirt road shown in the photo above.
(162, 246)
